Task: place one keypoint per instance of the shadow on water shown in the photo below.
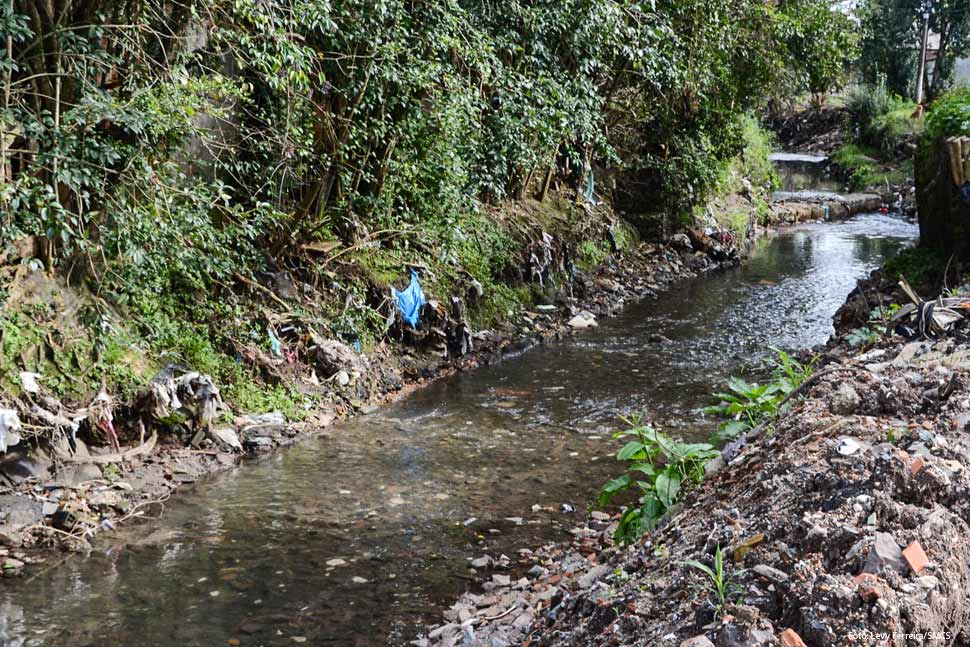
(358, 538)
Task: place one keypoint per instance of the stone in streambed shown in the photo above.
(585, 319)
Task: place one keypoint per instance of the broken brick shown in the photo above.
(916, 557)
(870, 587)
(791, 639)
(916, 465)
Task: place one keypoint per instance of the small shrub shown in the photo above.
(658, 468)
(883, 120)
(749, 404)
(866, 102)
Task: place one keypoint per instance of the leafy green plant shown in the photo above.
(749, 404)
(949, 115)
(861, 336)
(658, 468)
(746, 404)
(877, 325)
(720, 586)
(789, 372)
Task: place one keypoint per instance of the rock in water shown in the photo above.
(585, 319)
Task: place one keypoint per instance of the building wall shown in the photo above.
(961, 72)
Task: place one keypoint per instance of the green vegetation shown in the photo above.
(949, 115)
(348, 140)
(890, 26)
(883, 120)
(864, 169)
(750, 174)
(884, 128)
(720, 587)
(748, 405)
(922, 267)
(877, 325)
(659, 469)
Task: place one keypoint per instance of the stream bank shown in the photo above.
(59, 497)
(362, 536)
(844, 524)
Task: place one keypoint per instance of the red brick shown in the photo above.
(916, 557)
(916, 465)
(870, 587)
(791, 639)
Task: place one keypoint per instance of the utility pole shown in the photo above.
(921, 75)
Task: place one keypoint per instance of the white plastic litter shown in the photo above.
(9, 428)
(28, 380)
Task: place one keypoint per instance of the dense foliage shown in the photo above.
(157, 147)
(950, 115)
(892, 35)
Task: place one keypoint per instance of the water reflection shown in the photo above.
(356, 539)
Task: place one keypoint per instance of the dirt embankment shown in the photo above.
(59, 495)
(843, 524)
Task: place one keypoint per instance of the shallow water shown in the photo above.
(803, 176)
(408, 495)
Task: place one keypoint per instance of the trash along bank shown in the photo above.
(365, 535)
(108, 423)
(99, 428)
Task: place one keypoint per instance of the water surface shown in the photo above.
(405, 497)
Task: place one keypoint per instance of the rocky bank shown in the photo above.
(842, 523)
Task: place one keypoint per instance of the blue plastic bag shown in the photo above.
(410, 301)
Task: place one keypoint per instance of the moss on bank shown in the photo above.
(864, 170)
(744, 185)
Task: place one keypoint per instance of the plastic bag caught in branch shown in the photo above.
(410, 301)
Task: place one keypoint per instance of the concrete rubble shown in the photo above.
(851, 519)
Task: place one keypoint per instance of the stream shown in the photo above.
(362, 536)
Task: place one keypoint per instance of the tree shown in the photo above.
(822, 43)
(892, 40)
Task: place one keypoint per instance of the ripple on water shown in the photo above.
(385, 498)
